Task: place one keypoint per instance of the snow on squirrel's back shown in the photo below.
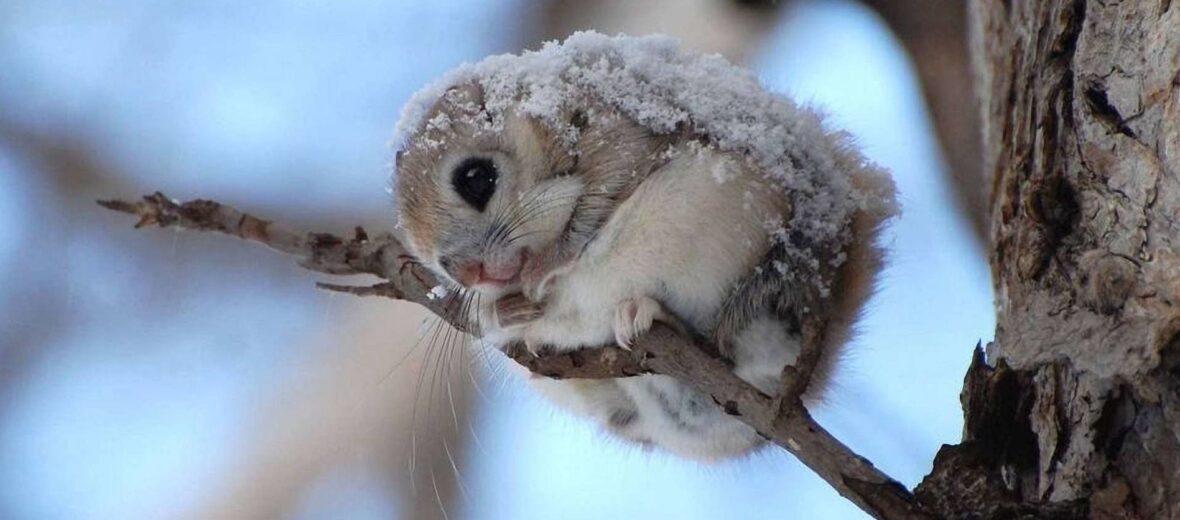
(665, 88)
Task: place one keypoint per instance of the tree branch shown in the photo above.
(783, 420)
(935, 36)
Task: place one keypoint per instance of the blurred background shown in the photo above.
(158, 375)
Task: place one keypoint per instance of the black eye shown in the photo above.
(475, 180)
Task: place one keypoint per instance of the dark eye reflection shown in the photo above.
(475, 181)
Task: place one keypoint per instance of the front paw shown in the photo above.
(515, 309)
(634, 316)
(541, 270)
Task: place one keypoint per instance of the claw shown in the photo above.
(532, 346)
(634, 316)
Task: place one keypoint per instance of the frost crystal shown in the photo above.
(664, 88)
(437, 292)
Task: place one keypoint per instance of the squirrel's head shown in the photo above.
(477, 191)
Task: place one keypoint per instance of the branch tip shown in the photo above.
(121, 206)
(386, 289)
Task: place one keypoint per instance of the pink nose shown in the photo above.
(471, 273)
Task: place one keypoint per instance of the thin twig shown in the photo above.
(384, 289)
(783, 421)
(382, 255)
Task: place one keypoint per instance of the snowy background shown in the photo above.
(138, 368)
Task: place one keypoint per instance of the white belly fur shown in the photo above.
(683, 238)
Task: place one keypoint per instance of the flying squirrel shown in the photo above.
(615, 181)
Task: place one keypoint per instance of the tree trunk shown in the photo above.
(1079, 413)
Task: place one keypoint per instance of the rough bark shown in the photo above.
(1081, 414)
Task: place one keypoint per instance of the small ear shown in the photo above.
(463, 97)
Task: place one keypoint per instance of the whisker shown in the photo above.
(525, 216)
(410, 469)
(413, 348)
(482, 347)
(538, 206)
(521, 211)
(433, 335)
(438, 495)
(441, 375)
(502, 216)
(458, 475)
(512, 239)
(433, 381)
(475, 437)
